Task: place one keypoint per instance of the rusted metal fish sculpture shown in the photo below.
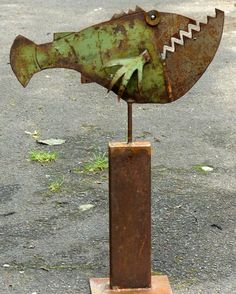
(149, 57)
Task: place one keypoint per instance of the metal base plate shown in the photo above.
(160, 285)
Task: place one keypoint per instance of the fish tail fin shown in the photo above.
(23, 59)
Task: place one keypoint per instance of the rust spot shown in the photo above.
(120, 29)
(131, 24)
(85, 80)
(121, 44)
(108, 54)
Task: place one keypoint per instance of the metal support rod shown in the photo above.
(130, 121)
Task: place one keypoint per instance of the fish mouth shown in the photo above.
(189, 54)
(181, 40)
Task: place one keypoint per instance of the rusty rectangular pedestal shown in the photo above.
(130, 223)
(130, 214)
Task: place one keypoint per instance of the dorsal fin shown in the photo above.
(58, 36)
(118, 15)
(121, 14)
(139, 9)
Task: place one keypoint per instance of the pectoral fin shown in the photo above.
(128, 67)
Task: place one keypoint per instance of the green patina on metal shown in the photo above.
(93, 50)
(125, 54)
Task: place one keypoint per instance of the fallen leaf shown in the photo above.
(34, 134)
(156, 139)
(51, 142)
(203, 168)
(217, 226)
(73, 98)
(8, 213)
(86, 207)
(207, 168)
(178, 206)
(44, 268)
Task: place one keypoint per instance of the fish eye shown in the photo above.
(153, 18)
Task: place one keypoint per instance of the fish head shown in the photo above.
(184, 47)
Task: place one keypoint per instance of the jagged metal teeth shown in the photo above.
(183, 34)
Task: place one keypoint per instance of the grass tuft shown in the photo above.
(55, 186)
(42, 156)
(98, 163)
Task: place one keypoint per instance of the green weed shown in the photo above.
(56, 186)
(42, 156)
(99, 162)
